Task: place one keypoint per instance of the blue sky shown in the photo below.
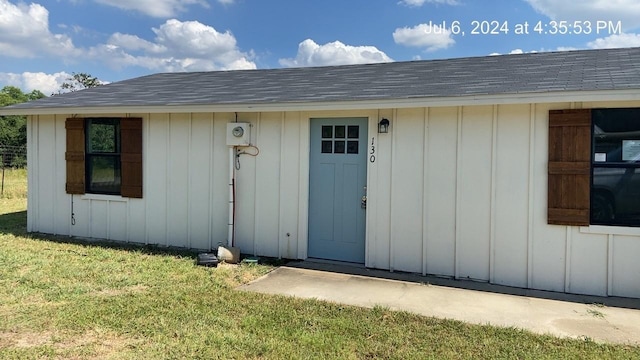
(42, 42)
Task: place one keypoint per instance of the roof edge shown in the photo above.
(500, 99)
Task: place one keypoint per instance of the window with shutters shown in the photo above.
(104, 156)
(594, 167)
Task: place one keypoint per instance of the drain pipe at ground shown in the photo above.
(229, 253)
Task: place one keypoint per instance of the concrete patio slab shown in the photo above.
(570, 317)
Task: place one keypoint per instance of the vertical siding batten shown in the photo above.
(391, 253)
(55, 175)
(30, 177)
(167, 179)
(281, 168)
(211, 179)
(189, 178)
(567, 264)
(492, 197)
(425, 190)
(303, 187)
(530, 201)
(610, 244)
(372, 186)
(146, 160)
(457, 193)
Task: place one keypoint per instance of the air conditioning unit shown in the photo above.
(238, 134)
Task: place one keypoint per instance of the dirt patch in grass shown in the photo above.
(88, 345)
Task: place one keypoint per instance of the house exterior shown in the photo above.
(493, 169)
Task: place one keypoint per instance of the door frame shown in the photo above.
(305, 155)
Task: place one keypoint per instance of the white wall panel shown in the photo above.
(289, 185)
(407, 182)
(199, 180)
(267, 183)
(62, 205)
(117, 215)
(510, 247)
(587, 263)
(625, 266)
(99, 219)
(46, 163)
(178, 180)
(379, 196)
(441, 191)
(156, 179)
(220, 180)
(474, 189)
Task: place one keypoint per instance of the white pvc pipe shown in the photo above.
(232, 153)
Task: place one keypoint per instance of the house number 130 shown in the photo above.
(372, 158)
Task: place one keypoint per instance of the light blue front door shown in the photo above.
(337, 181)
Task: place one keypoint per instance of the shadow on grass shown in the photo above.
(16, 224)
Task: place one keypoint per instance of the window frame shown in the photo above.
(594, 192)
(90, 155)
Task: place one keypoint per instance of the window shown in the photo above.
(594, 156)
(615, 182)
(333, 139)
(104, 156)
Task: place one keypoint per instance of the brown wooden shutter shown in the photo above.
(569, 167)
(75, 156)
(131, 157)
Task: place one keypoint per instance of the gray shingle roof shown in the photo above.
(610, 69)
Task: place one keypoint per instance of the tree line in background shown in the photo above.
(13, 128)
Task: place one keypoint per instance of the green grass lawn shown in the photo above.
(60, 299)
(14, 184)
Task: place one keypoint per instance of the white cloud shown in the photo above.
(616, 41)
(515, 52)
(28, 81)
(626, 11)
(418, 3)
(428, 36)
(155, 8)
(334, 53)
(24, 32)
(178, 46)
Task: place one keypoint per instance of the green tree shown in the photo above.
(13, 128)
(79, 81)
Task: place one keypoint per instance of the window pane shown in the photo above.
(352, 147)
(616, 135)
(103, 136)
(327, 132)
(353, 132)
(104, 174)
(340, 131)
(327, 147)
(615, 196)
(339, 147)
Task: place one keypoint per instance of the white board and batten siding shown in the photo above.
(453, 191)
(185, 171)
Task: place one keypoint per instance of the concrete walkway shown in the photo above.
(573, 316)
